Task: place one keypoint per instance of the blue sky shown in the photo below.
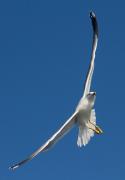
(44, 57)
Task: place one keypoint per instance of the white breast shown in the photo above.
(84, 109)
(83, 104)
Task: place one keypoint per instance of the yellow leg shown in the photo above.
(94, 127)
(98, 130)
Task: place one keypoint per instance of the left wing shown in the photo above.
(59, 134)
(94, 47)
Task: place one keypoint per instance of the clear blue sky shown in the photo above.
(44, 56)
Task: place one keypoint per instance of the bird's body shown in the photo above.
(85, 118)
(84, 110)
(84, 115)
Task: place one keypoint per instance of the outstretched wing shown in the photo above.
(94, 47)
(59, 134)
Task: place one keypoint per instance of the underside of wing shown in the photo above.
(59, 134)
(94, 47)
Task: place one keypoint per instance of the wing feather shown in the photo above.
(59, 134)
(94, 47)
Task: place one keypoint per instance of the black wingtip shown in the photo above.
(12, 168)
(92, 15)
(94, 22)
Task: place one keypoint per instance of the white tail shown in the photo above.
(85, 133)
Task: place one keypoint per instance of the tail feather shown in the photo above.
(86, 133)
(84, 136)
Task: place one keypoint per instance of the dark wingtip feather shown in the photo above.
(94, 22)
(92, 15)
(13, 167)
(20, 163)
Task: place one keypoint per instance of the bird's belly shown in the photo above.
(83, 117)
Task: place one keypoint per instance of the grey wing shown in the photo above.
(59, 134)
(94, 47)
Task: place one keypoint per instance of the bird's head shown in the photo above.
(91, 98)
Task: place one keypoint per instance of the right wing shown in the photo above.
(94, 47)
(59, 134)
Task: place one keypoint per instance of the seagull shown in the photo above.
(84, 115)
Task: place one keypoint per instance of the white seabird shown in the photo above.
(84, 114)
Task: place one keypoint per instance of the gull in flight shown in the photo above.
(84, 115)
